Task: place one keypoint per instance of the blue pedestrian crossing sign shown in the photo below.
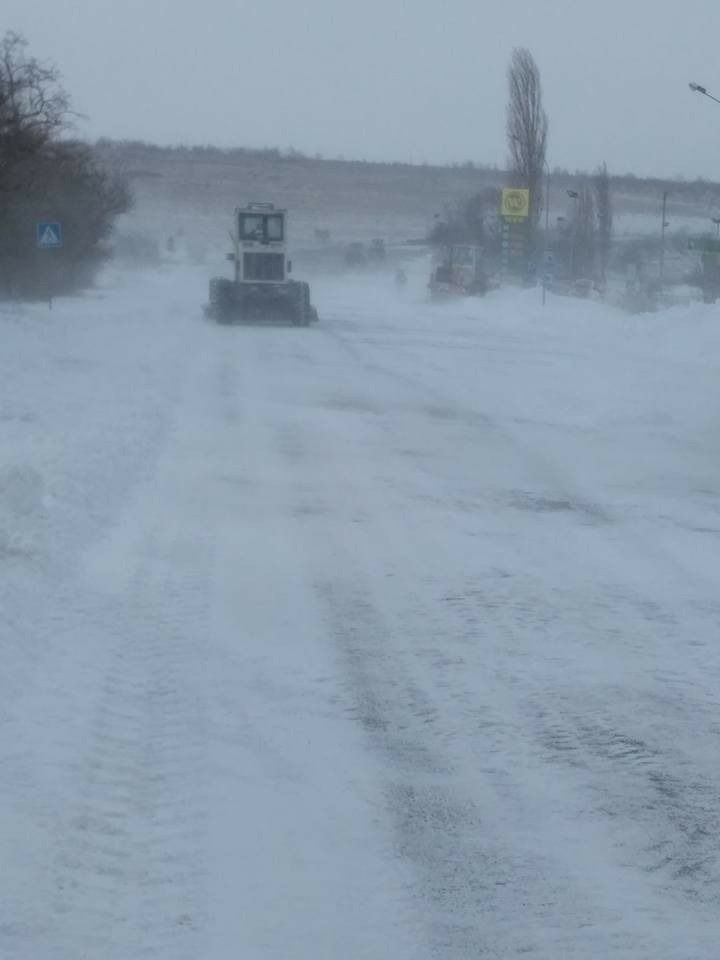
(49, 235)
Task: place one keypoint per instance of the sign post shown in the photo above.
(49, 236)
(548, 273)
(514, 210)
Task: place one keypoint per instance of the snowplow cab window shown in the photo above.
(261, 228)
(274, 228)
(251, 227)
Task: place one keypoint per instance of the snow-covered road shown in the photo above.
(396, 637)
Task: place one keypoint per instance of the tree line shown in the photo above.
(46, 176)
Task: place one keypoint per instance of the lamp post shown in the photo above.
(574, 195)
(547, 231)
(664, 226)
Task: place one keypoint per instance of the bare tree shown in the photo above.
(34, 108)
(604, 213)
(469, 221)
(43, 177)
(527, 128)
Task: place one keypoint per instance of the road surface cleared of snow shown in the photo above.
(393, 637)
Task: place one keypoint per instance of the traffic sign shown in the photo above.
(49, 235)
(515, 204)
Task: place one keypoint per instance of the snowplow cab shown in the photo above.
(261, 289)
(260, 247)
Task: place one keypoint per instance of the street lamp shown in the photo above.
(696, 88)
(547, 231)
(663, 227)
(574, 195)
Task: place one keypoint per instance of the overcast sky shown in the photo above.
(418, 80)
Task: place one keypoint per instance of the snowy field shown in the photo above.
(396, 637)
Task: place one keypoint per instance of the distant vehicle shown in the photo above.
(376, 251)
(355, 255)
(458, 272)
(582, 287)
(261, 289)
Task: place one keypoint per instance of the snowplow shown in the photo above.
(261, 290)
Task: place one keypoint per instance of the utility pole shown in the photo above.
(662, 240)
(574, 195)
(545, 266)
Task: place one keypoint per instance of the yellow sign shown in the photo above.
(516, 203)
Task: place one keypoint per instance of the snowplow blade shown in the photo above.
(260, 303)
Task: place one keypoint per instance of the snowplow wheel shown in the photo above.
(311, 314)
(222, 300)
(301, 305)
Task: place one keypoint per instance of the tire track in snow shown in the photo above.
(637, 778)
(468, 878)
(444, 784)
(678, 803)
(472, 873)
(666, 787)
(129, 873)
(129, 868)
(552, 490)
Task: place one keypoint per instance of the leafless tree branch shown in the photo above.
(34, 108)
